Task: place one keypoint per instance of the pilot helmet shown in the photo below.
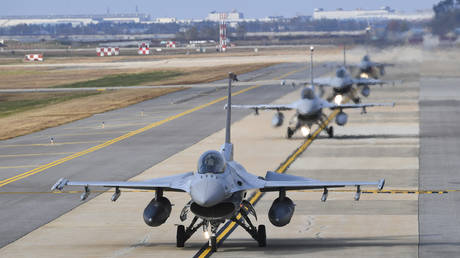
(211, 162)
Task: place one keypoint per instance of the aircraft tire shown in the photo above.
(330, 131)
(261, 236)
(180, 237)
(289, 133)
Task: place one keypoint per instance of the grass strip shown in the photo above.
(124, 79)
(10, 104)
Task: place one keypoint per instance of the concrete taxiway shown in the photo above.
(388, 143)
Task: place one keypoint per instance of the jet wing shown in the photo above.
(328, 81)
(369, 81)
(266, 107)
(276, 182)
(361, 105)
(177, 183)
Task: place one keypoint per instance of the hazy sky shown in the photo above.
(200, 9)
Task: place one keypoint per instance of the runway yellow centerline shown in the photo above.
(125, 136)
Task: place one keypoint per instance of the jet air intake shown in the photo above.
(281, 211)
(157, 211)
(278, 119)
(341, 118)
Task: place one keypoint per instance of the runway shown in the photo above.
(401, 144)
(439, 166)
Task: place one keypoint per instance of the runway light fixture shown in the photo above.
(305, 131)
(206, 235)
(338, 99)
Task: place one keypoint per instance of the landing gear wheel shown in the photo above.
(180, 237)
(330, 131)
(290, 132)
(213, 243)
(261, 236)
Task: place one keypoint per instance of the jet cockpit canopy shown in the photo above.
(211, 162)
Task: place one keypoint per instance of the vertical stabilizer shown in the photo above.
(311, 67)
(227, 148)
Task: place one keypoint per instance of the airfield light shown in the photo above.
(206, 234)
(305, 131)
(364, 75)
(338, 99)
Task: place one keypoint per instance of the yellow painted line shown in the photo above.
(33, 154)
(280, 170)
(101, 89)
(46, 144)
(125, 136)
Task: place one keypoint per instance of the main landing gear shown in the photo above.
(183, 234)
(259, 233)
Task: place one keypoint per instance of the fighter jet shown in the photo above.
(369, 69)
(309, 109)
(217, 192)
(342, 83)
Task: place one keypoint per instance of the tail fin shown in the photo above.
(311, 67)
(227, 148)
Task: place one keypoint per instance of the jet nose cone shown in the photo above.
(207, 192)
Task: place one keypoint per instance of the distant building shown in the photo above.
(231, 16)
(166, 20)
(75, 20)
(385, 13)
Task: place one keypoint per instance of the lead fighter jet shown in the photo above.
(217, 192)
(309, 109)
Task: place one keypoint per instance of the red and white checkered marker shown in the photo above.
(171, 44)
(34, 57)
(144, 49)
(108, 51)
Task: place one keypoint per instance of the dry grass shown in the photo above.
(53, 115)
(43, 77)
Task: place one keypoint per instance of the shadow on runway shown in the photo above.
(292, 246)
(370, 136)
(350, 137)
